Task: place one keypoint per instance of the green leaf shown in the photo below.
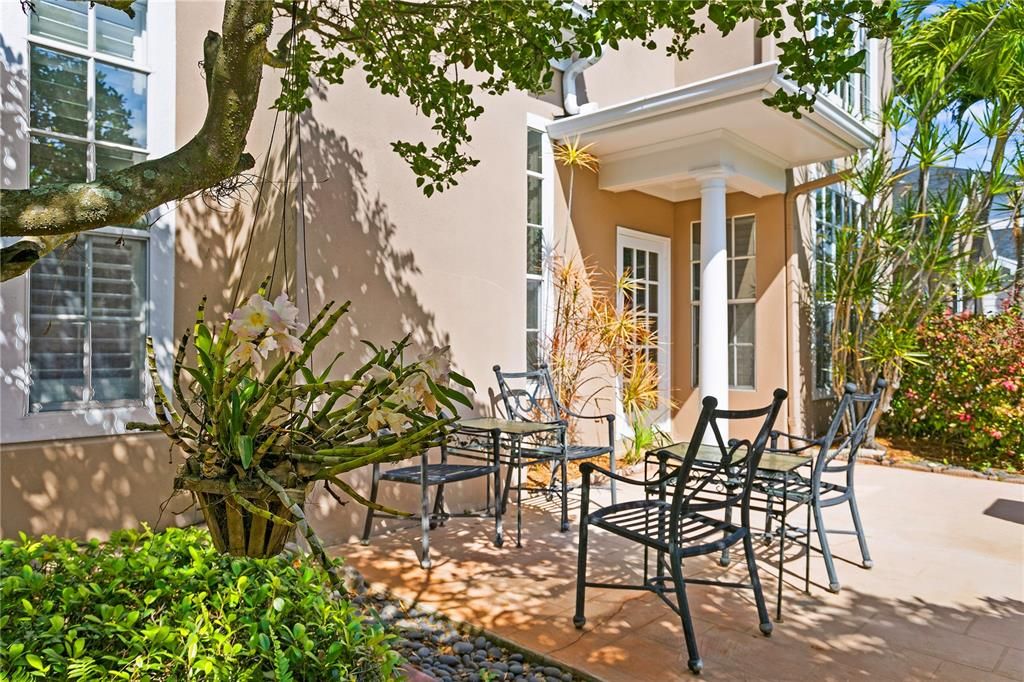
(34, 661)
(461, 380)
(244, 444)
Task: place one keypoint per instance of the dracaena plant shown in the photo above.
(253, 409)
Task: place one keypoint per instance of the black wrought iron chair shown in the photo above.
(479, 458)
(853, 413)
(687, 525)
(534, 399)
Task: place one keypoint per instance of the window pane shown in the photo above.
(640, 296)
(532, 350)
(57, 358)
(741, 322)
(744, 237)
(120, 105)
(55, 160)
(57, 283)
(533, 304)
(652, 266)
(534, 250)
(57, 306)
(627, 261)
(743, 284)
(59, 99)
(534, 150)
(117, 33)
(118, 318)
(695, 341)
(743, 376)
(652, 298)
(109, 159)
(65, 20)
(695, 242)
(695, 281)
(117, 360)
(534, 212)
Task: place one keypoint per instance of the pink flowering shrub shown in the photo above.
(970, 394)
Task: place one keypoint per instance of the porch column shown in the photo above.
(713, 353)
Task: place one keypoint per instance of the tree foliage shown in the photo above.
(441, 57)
(912, 248)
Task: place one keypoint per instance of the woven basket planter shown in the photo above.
(233, 528)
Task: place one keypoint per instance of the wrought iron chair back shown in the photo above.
(733, 474)
(855, 411)
(530, 395)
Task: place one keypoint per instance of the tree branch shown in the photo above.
(53, 213)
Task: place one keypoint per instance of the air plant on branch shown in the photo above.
(253, 413)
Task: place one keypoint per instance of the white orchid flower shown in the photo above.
(284, 315)
(378, 373)
(436, 363)
(251, 319)
(245, 352)
(288, 343)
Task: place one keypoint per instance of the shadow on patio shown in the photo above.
(945, 600)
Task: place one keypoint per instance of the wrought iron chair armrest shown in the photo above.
(594, 417)
(809, 442)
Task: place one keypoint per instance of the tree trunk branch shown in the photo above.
(51, 214)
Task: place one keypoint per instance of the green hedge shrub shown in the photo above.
(970, 393)
(168, 606)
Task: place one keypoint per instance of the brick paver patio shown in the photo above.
(945, 600)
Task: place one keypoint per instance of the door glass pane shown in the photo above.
(652, 298)
(59, 92)
(64, 20)
(534, 150)
(54, 160)
(627, 261)
(117, 33)
(652, 266)
(641, 264)
(695, 281)
(120, 105)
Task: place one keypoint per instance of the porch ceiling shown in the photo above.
(661, 144)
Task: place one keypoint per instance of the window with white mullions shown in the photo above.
(537, 229)
(88, 115)
(742, 299)
(834, 209)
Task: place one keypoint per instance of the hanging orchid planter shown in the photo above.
(259, 427)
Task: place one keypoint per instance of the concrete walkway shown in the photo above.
(945, 600)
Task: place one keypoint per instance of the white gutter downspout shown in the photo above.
(569, 98)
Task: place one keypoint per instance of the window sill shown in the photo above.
(86, 422)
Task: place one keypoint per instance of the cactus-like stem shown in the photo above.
(253, 509)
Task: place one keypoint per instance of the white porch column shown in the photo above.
(714, 293)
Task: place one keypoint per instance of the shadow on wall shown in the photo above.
(350, 254)
(87, 488)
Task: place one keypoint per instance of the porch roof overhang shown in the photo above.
(662, 144)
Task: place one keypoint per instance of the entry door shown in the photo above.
(645, 259)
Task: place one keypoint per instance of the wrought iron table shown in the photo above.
(772, 465)
(511, 434)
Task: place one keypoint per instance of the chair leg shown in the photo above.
(374, 485)
(435, 517)
(830, 566)
(499, 530)
(579, 619)
(807, 552)
(755, 581)
(724, 559)
(424, 516)
(565, 493)
(861, 538)
(694, 662)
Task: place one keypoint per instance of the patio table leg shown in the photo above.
(424, 514)
(807, 553)
(499, 529)
(518, 447)
(782, 543)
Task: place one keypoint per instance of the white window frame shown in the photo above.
(157, 59)
(547, 178)
(730, 224)
(850, 94)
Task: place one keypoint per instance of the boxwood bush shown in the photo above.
(969, 394)
(168, 606)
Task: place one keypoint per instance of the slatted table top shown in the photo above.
(519, 428)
